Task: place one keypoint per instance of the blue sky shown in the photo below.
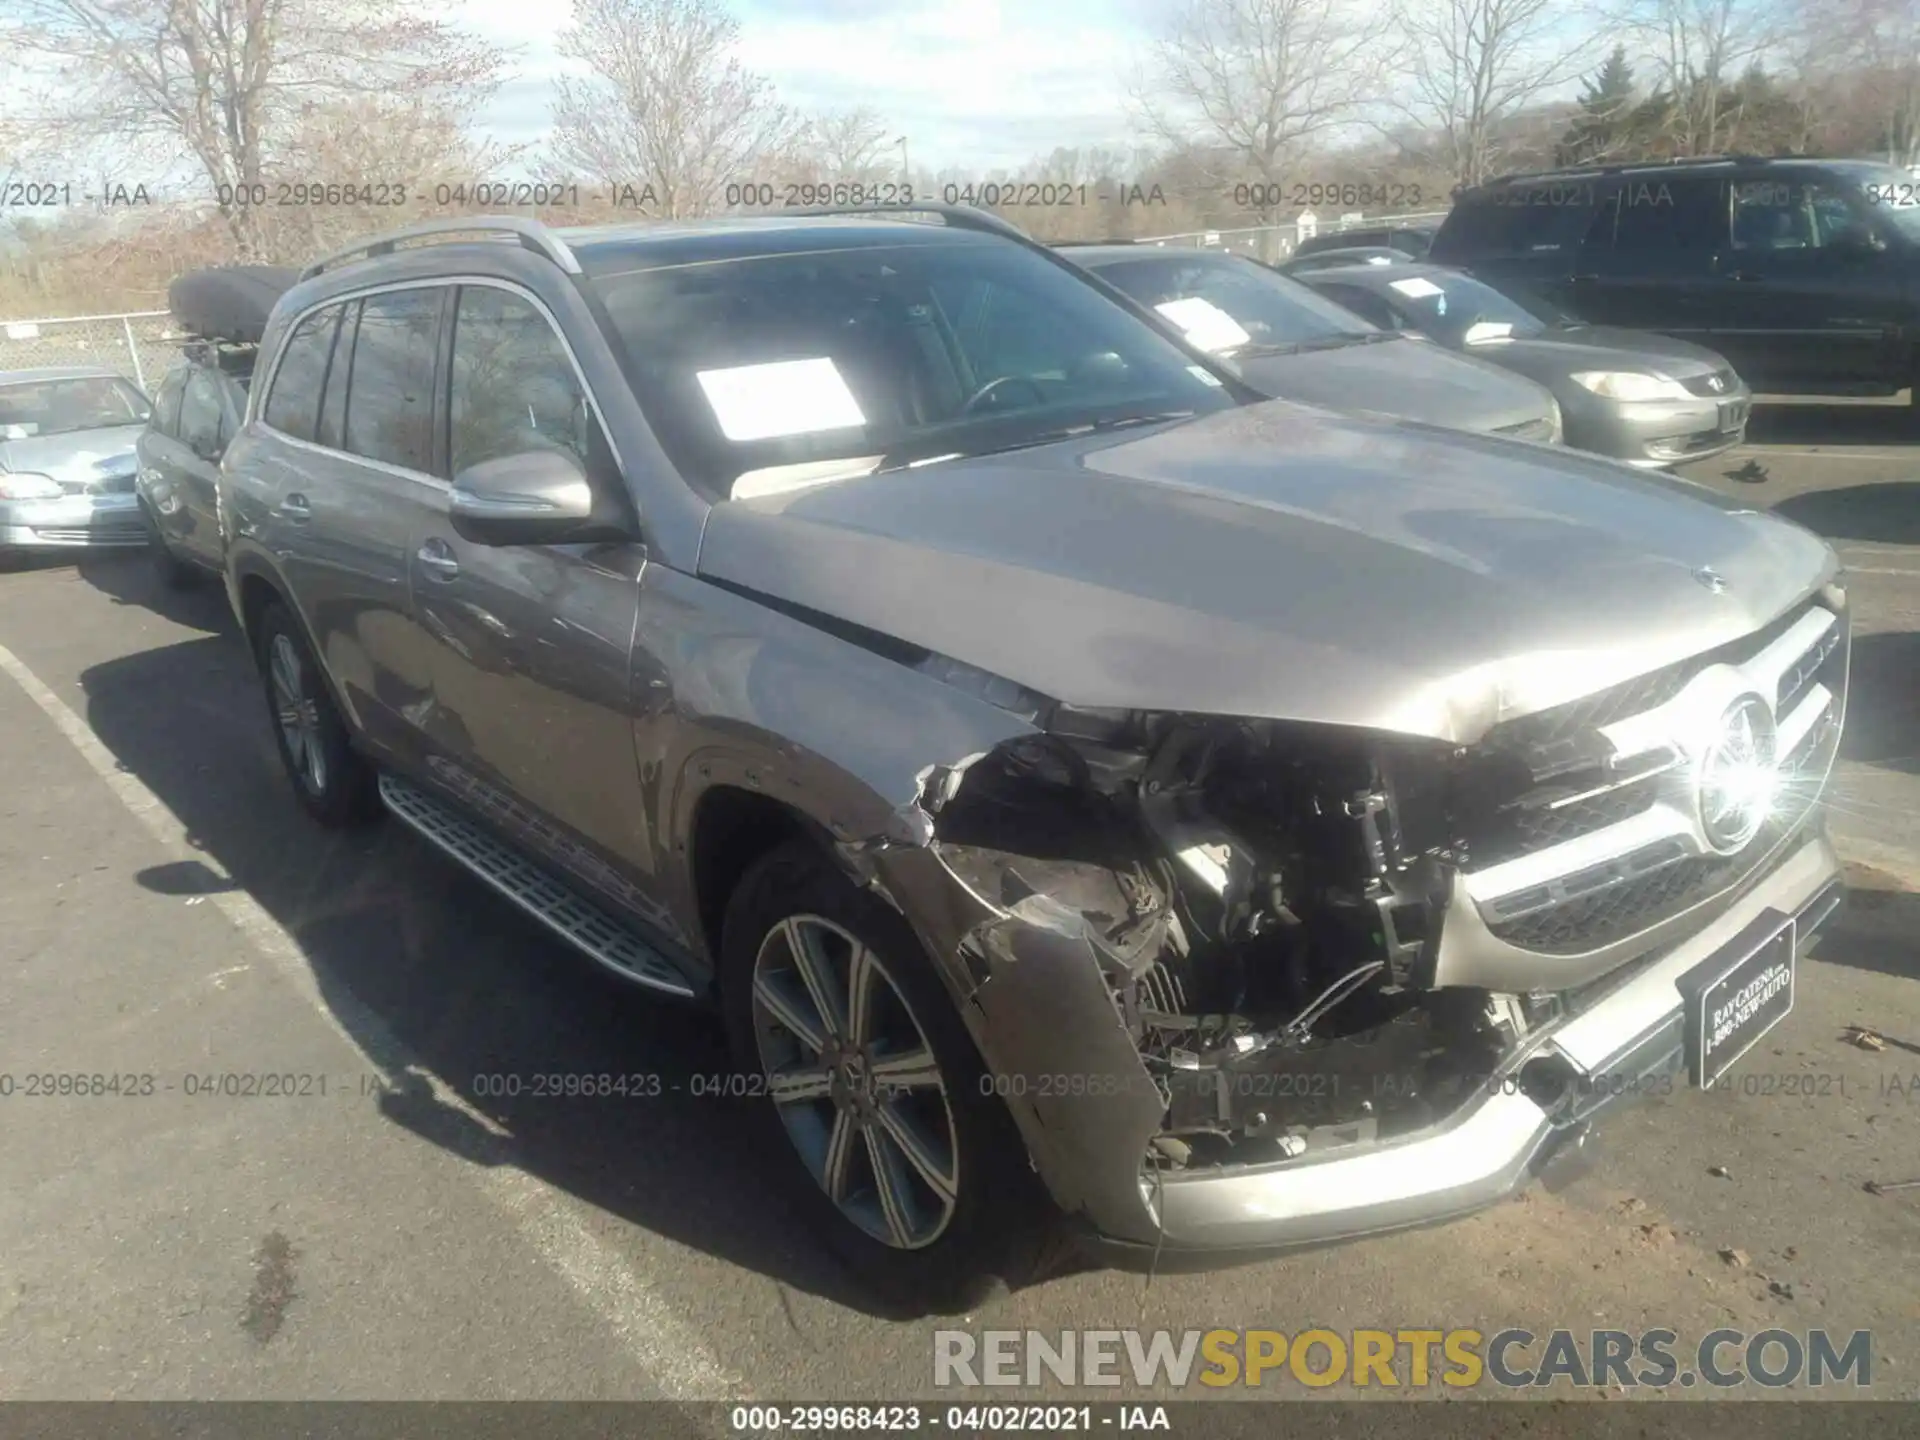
(977, 85)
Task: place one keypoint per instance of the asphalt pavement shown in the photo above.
(172, 929)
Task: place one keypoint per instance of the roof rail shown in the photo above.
(530, 233)
(961, 217)
(1622, 166)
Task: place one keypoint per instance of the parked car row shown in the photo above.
(1088, 790)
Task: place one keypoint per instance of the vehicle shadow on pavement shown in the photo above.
(1886, 513)
(1883, 703)
(1813, 423)
(128, 577)
(1877, 929)
(446, 987)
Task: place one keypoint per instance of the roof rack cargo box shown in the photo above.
(229, 302)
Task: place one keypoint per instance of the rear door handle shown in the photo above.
(294, 508)
(436, 558)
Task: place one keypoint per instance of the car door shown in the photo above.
(354, 493)
(1648, 261)
(532, 644)
(193, 468)
(1808, 296)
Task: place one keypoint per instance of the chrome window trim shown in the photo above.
(256, 395)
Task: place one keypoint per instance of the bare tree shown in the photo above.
(1698, 49)
(1881, 42)
(1472, 66)
(1259, 81)
(665, 106)
(849, 144)
(219, 80)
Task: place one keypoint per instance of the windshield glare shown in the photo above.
(903, 352)
(1269, 307)
(1447, 306)
(61, 407)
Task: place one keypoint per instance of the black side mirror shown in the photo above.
(538, 497)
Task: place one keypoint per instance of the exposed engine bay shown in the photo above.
(1264, 899)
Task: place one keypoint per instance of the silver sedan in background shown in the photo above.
(1648, 400)
(1290, 343)
(67, 460)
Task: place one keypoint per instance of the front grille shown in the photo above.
(1543, 780)
(1728, 383)
(1598, 919)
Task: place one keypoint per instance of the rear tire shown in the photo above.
(333, 783)
(909, 1244)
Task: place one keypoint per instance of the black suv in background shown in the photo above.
(1803, 273)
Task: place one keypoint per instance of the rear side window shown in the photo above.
(294, 402)
(1670, 215)
(390, 386)
(166, 403)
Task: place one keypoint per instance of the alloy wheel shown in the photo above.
(855, 1082)
(298, 712)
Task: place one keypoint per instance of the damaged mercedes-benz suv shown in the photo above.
(1256, 826)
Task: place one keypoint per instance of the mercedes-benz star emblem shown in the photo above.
(1738, 777)
(1712, 579)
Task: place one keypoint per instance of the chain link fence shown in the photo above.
(1274, 243)
(139, 345)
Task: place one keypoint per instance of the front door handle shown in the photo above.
(436, 558)
(294, 508)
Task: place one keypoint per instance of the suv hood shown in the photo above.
(1275, 561)
(1410, 379)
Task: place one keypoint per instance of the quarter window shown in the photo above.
(390, 388)
(514, 388)
(295, 399)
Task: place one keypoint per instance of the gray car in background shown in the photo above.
(1084, 788)
(67, 460)
(1647, 399)
(1290, 343)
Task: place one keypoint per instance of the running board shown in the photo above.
(590, 928)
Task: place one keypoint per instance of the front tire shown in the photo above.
(868, 1092)
(334, 784)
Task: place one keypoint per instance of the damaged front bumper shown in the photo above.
(1048, 1027)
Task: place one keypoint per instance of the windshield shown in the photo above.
(891, 354)
(1268, 309)
(60, 407)
(1448, 305)
(1893, 195)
